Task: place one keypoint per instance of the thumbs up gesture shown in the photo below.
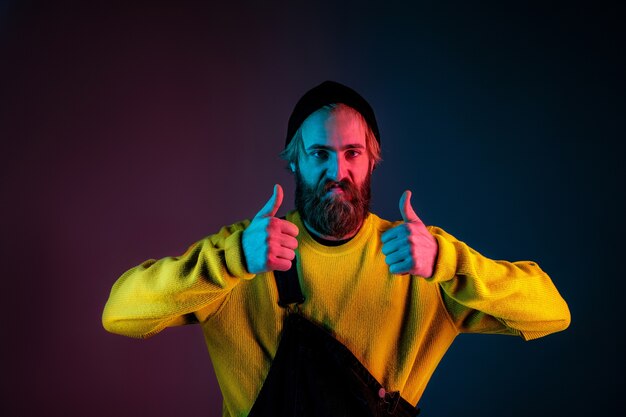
(409, 248)
(269, 242)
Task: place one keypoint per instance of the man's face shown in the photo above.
(333, 173)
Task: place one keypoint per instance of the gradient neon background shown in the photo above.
(131, 130)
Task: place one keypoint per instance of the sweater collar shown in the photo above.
(305, 238)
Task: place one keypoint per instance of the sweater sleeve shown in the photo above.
(488, 296)
(162, 293)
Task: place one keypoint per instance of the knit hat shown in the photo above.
(329, 92)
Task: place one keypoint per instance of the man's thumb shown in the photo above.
(273, 204)
(408, 214)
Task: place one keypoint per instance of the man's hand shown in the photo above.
(269, 242)
(409, 247)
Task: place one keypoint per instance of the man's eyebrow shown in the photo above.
(330, 148)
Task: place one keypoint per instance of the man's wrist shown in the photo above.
(235, 257)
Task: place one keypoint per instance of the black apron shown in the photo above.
(314, 375)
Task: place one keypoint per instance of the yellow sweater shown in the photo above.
(399, 326)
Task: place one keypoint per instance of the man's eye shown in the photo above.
(319, 154)
(353, 153)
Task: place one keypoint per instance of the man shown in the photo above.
(332, 310)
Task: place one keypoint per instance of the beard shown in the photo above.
(335, 214)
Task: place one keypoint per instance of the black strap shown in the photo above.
(289, 291)
(288, 284)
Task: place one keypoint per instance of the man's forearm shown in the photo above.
(159, 294)
(520, 295)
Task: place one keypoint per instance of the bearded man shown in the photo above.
(332, 311)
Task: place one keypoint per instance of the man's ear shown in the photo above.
(292, 166)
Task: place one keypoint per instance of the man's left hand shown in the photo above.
(409, 248)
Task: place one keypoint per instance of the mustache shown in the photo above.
(344, 184)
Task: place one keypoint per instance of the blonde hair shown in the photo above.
(296, 145)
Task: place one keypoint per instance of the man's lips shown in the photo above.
(336, 192)
(335, 188)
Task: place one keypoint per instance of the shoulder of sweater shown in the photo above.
(436, 230)
(228, 230)
(240, 225)
(384, 224)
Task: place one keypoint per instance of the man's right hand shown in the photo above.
(269, 242)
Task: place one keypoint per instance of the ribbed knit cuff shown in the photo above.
(235, 259)
(445, 265)
(527, 335)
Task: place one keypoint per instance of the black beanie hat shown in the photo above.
(329, 92)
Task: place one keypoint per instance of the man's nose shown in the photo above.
(337, 168)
